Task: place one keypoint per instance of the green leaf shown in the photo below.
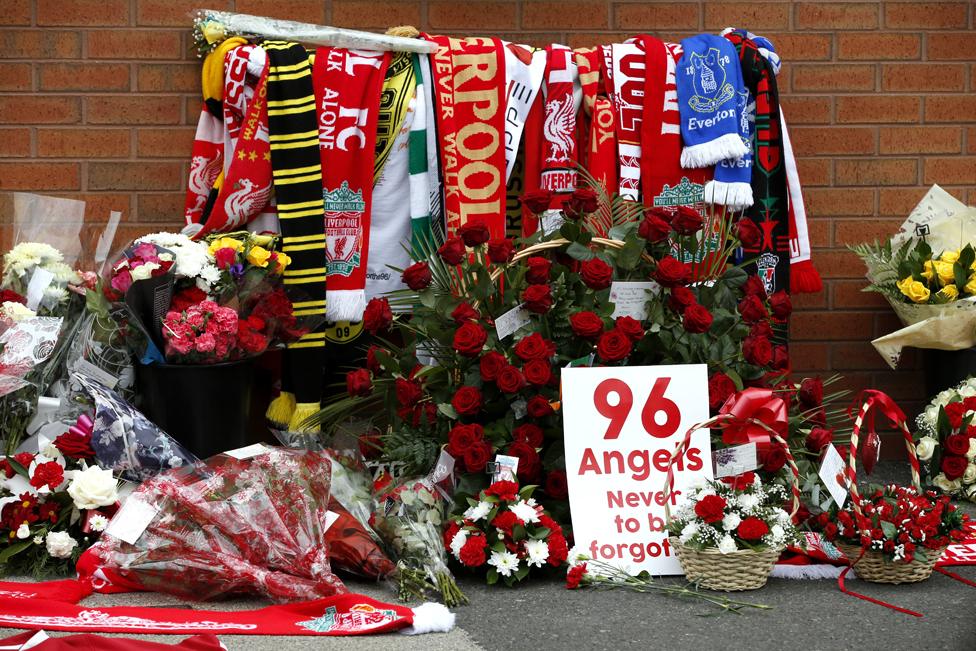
(428, 298)
(18, 467)
(736, 379)
(570, 231)
(621, 231)
(492, 576)
(889, 529)
(942, 425)
(961, 274)
(579, 252)
(13, 550)
(629, 256)
(448, 410)
(967, 256)
(521, 572)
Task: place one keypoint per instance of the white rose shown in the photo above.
(943, 484)
(93, 487)
(972, 450)
(967, 391)
(60, 544)
(925, 447)
(144, 271)
(726, 545)
(971, 493)
(969, 476)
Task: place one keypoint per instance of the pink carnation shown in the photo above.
(205, 343)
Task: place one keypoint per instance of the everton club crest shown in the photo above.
(344, 209)
(711, 88)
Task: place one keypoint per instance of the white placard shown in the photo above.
(247, 452)
(100, 375)
(833, 475)
(630, 298)
(506, 468)
(512, 320)
(621, 426)
(735, 460)
(131, 520)
(40, 280)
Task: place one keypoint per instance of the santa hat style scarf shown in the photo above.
(599, 152)
(709, 86)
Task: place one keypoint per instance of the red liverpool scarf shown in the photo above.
(348, 85)
(469, 78)
(628, 76)
(599, 155)
(562, 101)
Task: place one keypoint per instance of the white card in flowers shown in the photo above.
(621, 426)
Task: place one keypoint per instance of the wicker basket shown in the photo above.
(744, 569)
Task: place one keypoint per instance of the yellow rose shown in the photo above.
(914, 290)
(258, 256)
(970, 287)
(213, 31)
(224, 243)
(927, 271)
(944, 271)
(949, 256)
(262, 240)
(947, 294)
(283, 261)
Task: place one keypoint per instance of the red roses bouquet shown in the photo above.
(506, 531)
(946, 440)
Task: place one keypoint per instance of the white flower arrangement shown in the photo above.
(20, 263)
(946, 456)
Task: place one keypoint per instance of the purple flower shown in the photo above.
(236, 271)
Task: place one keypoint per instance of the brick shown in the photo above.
(643, 17)
(122, 109)
(16, 12)
(921, 140)
(39, 44)
(15, 142)
(950, 45)
(880, 171)
(832, 326)
(931, 15)
(39, 176)
(802, 47)
(98, 205)
(819, 232)
(306, 11)
(809, 357)
(117, 44)
(83, 143)
(84, 76)
(16, 76)
(833, 77)
(900, 201)
(759, 16)
(959, 170)
(923, 76)
(126, 176)
(971, 139)
(833, 202)
(950, 108)
(807, 110)
(809, 302)
(820, 15)
(172, 13)
(859, 356)
(567, 14)
(39, 110)
(460, 16)
(878, 108)
(850, 294)
(572, 39)
(380, 14)
(881, 46)
(164, 143)
(814, 171)
(855, 231)
(832, 140)
(168, 77)
(161, 208)
(82, 12)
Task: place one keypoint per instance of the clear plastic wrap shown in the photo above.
(229, 526)
(52, 220)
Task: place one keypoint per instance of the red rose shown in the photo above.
(752, 309)
(819, 438)
(585, 200)
(417, 276)
(752, 528)
(710, 508)
(372, 363)
(452, 251)
(467, 401)
(748, 233)
(469, 339)
(537, 201)
(681, 298)
(630, 327)
(529, 465)
(757, 350)
(781, 358)
(359, 383)
(537, 298)
(464, 312)
(529, 433)
(538, 270)
(687, 221)
(378, 317)
(408, 392)
(575, 576)
(754, 287)
(671, 273)
(954, 467)
(720, 387)
(462, 437)
(957, 444)
(74, 445)
(539, 407)
(474, 232)
(472, 553)
(501, 249)
(613, 346)
(772, 458)
(811, 392)
(596, 274)
(780, 305)
(477, 457)
(586, 324)
(490, 364)
(510, 379)
(697, 319)
(537, 372)
(655, 227)
(504, 490)
(534, 346)
(761, 329)
(225, 257)
(49, 474)
(556, 485)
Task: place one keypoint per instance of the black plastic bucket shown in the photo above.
(947, 368)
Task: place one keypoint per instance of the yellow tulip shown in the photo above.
(914, 290)
(949, 256)
(225, 243)
(258, 256)
(944, 271)
(970, 287)
(947, 294)
(262, 240)
(927, 271)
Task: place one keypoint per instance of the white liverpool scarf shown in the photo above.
(627, 75)
(525, 68)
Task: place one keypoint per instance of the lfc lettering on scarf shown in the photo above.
(331, 114)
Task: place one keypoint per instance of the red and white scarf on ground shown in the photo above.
(524, 70)
(628, 76)
(40, 641)
(562, 100)
(469, 77)
(347, 85)
(599, 155)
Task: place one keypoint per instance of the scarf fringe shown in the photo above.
(281, 410)
(430, 618)
(303, 411)
(810, 572)
(706, 154)
(804, 278)
(344, 305)
(737, 196)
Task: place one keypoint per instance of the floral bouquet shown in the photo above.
(506, 531)
(141, 261)
(946, 440)
(22, 262)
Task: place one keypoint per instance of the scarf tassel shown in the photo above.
(725, 147)
(736, 196)
(804, 278)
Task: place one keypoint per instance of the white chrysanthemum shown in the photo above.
(689, 531)
(458, 541)
(60, 544)
(726, 545)
(55, 295)
(63, 273)
(478, 512)
(192, 260)
(98, 522)
(27, 255)
(748, 502)
(538, 551)
(731, 521)
(777, 533)
(16, 311)
(524, 512)
(505, 562)
(576, 556)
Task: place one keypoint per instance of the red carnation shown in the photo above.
(417, 276)
(75, 445)
(537, 201)
(596, 274)
(575, 576)
(408, 392)
(953, 466)
(467, 401)
(558, 549)
(830, 531)
(671, 273)
(819, 438)
(681, 299)
(539, 407)
(49, 474)
(472, 553)
(537, 372)
(529, 433)
(474, 232)
(752, 528)
(697, 319)
(538, 270)
(490, 364)
(378, 317)
(469, 339)
(556, 485)
(183, 299)
(452, 251)
(687, 221)
(464, 312)
(359, 382)
(501, 249)
(752, 309)
(710, 508)
(654, 227)
(534, 346)
(614, 346)
(504, 490)
(510, 379)
(10, 296)
(586, 324)
(630, 327)
(506, 521)
(757, 350)
(537, 298)
(748, 233)
(720, 387)
(780, 305)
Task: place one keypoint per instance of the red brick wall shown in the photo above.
(98, 99)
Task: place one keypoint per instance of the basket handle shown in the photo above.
(876, 399)
(718, 420)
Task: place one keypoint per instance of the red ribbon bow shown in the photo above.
(756, 404)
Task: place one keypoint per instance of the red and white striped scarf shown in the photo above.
(627, 74)
(599, 155)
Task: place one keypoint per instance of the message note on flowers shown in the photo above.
(621, 426)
